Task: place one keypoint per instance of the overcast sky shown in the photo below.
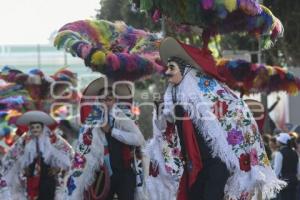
(33, 21)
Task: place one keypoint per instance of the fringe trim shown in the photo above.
(93, 161)
(5, 194)
(260, 178)
(215, 137)
(164, 186)
(52, 155)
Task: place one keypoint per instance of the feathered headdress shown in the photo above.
(217, 17)
(256, 78)
(21, 92)
(119, 51)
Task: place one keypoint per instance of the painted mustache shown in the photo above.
(168, 75)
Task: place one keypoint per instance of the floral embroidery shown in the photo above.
(171, 151)
(245, 162)
(87, 137)
(168, 168)
(169, 132)
(246, 196)
(235, 137)
(95, 117)
(3, 183)
(206, 84)
(248, 138)
(176, 152)
(265, 160)
(253, 157)
(240, 128)
(53, 138)
(220, 109)
(254, 129)
(71, 185)
(79, 161)
(153, 169)
(221, 93)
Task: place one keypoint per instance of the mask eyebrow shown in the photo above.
(170, 65)
(34, 126)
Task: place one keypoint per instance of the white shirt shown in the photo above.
(125, 130)
(278, 164)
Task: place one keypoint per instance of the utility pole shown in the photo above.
(264, 97)
(65, 59)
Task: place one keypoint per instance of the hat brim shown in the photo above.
(170, 47)
(120, 89)
(35, 116)
(256, 107)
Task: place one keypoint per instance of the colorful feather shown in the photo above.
(249, 78)
(20, 92)
(220, 17)
(115, 49)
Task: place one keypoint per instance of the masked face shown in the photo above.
(36, 129)
(173, 73)
(109, 101)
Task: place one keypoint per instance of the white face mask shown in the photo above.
(174, 73)
(36, 129)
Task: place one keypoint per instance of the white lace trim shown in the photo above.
(93, 161)
(164, 186)
(52, 156)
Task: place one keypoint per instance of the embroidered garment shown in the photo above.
(90, 152)
(55, 152)
(229, 128)
(166, 163)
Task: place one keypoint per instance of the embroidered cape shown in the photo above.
(55, 151)
(90, 152)
(228, 127)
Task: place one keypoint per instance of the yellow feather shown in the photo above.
(292, 89)
(98, 58)
(230, 5)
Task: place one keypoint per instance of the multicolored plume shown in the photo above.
(115, 49)
(256, 78)
(217, 17)
(20, 92)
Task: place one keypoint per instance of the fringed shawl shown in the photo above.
(228, 127)
(56, 152)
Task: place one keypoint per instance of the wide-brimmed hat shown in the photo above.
(200, 58)
(35, 116)
(258, 112)
(256, 107)
(122, 89)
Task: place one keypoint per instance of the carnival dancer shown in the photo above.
(107, 137)
(34, 166)
(212, 148)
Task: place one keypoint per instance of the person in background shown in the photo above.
(108, 137)
(274, 148)
(34, 167)
(286, 166)
(267, 138)
(68, 131)
(294, 137)
(298, 151)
